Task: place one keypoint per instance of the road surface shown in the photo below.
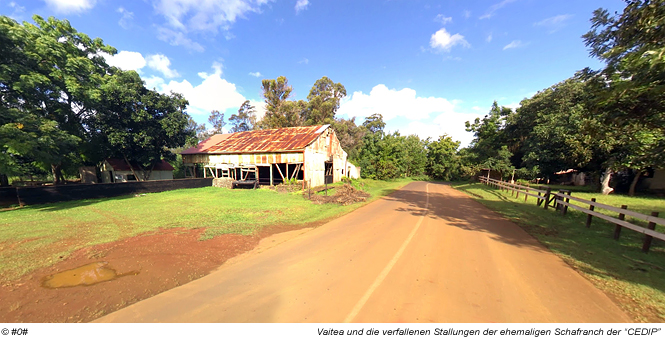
(426, 253)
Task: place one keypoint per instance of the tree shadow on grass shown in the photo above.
(48, 207)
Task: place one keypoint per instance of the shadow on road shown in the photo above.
(461, 212)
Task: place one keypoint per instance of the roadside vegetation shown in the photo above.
(633, 279)
(38, 236)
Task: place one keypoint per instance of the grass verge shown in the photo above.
(38, 236)
(633, 279)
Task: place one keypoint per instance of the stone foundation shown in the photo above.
(222, 182)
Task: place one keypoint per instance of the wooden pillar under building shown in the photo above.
(270, 174)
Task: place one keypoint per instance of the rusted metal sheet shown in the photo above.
(260, 141)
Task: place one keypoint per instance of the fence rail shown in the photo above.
(561, 202)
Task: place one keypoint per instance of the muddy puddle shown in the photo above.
(87, 275)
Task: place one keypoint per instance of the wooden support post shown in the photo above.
(517, 193)
(280, 172)
(526, 195)
(648, 238)
(589, 216)
(271, 184)
(287, 170)
(546, 199)
(565, 207)
(617, 229)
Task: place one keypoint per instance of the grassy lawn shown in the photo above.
(633, 279)
(38, 236)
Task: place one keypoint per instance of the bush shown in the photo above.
(522, 182)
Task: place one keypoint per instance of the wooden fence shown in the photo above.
(560, 201)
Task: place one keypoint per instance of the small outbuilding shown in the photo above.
(117, 170)
(304, 153)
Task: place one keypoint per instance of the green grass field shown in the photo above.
(37, 236)
(635, 280)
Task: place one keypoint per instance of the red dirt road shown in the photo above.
(426, 253)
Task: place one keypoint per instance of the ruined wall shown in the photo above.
(326, 148)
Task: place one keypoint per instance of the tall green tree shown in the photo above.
(415, 156)
(245, 119)
(276, 93)
(50, 76)
(323, 101)
(216, 120)
(141, 126)
(631, 87)
(350, 136)
(442, 159)
(628, 94)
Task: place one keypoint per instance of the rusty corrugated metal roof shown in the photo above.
(273, 140)
(206, 144)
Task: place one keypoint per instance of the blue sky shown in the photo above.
(427, 66)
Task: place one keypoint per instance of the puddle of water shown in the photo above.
(83, 276)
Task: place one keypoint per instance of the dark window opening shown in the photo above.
(328, 177)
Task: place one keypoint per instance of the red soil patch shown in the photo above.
(163, 260)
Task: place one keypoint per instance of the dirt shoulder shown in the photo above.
(155, 262)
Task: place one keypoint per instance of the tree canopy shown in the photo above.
(59, 100)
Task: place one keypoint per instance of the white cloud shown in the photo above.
(126, 19)
(451, 124)
(489, 38)
(255, 74)
(184, 17)
(301, 5)
(161, 63)
(17, 11)
(153, 82)
(467, 14)
(443, 19)
(178, 39)
(443, 41)
(304, 61)
(492, 10)
(392, 103)
(554, 23)
(70, 6)
(213, 93)
(205, 15)
(259, 107)
(125, 60)
(514, 44)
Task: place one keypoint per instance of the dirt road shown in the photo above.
(426, 253)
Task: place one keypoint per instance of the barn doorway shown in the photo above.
(328, 175)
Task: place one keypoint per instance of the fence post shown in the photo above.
(589, 216)
(565, 207)
(617, 230)
(547, 197)
(526, 195)
(648, 238)
(562, 207)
